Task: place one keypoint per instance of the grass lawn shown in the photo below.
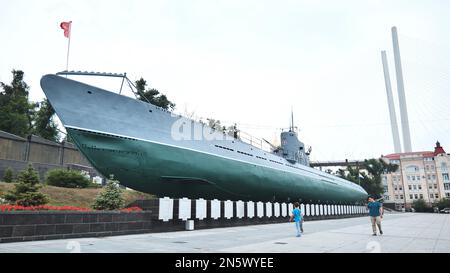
(76, 197)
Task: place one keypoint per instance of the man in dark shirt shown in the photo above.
(376, 214)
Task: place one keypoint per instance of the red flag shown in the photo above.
(66, 27)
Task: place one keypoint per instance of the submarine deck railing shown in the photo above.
(254, 141)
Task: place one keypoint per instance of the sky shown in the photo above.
(251, 62)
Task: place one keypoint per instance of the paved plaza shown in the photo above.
(403, 232)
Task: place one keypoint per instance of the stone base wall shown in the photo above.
(160, 215)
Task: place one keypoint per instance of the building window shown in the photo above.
(413, 178)
(428, 159)
(414, 187)
(418, 178)
(428, 168)
(410, 187)
(431, 195)
(436, 195)
(433, 177)
(411, 196)
(432, 167)
(412, 169)
(408, 178)
(420, 187)
(429, 177)
(430, 187)
(416, 196)
(447, 186)
(444, 167)
(396, 196)
(421, 196)
(395, 188)
(445, 176)
(401, 196)
(400, 188)
(435, 186)
(447, 194)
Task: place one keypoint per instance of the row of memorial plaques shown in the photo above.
(272, 209)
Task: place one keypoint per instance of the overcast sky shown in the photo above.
(249, 61)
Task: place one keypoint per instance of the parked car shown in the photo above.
(446, 210)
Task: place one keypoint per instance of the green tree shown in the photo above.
(420, 206)
(152, 95)
(370, 181)
(26, 192)
(443, 203)
(215, 124)
(66, 179)
(44, 124)
(16, 113)
(8, 176)
(110, 198)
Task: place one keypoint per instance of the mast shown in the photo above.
(292, 120)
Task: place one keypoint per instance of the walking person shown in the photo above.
(376, 214)
(297, 217)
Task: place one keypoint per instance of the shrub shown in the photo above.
(8, 176)
(26, 192)
(421, 206)
(66, 179)
(110, 198)
(443, 203)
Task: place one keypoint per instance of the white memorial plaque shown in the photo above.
(250, 209)
(268, 209)
(200, 209)
(290, 208)
(317, 209)
(165, 211)
(308, 212)
(321, 210)
(184, 209)
(284, 210)
(260, 209)
(313, 210)
(276, 212)
(239, 209)
(215, 209)
(302, 209)
(228, 209)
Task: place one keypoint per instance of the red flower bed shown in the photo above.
(5, 208)
(131, 209)
(41, 207)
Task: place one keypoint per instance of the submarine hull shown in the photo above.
(135, 142)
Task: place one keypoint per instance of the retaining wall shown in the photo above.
(161, 215)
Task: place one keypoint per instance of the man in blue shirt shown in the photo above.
(297, 216)
(376, 214)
